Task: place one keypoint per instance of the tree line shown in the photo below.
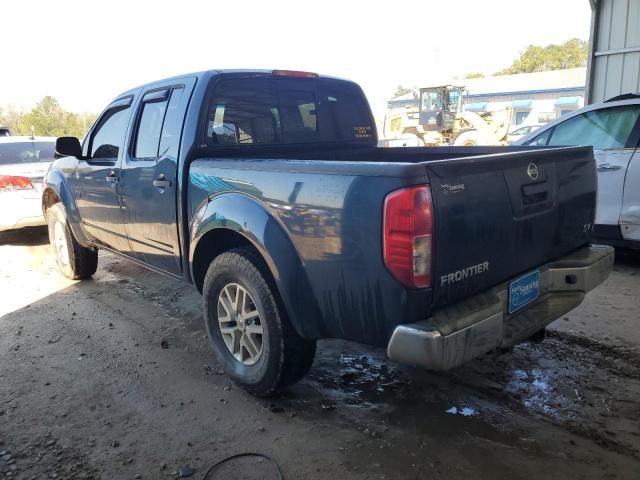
(571, 54)
(47, 118)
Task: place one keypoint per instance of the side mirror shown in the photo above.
(68, 147)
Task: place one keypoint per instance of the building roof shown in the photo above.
(551, 80)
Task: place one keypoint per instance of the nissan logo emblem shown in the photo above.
(532, 171)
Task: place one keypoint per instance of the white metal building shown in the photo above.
(535, 97)
(614, 56)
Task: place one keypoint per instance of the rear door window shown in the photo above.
(266, 111)
(152, 114)
(605, 129)
(17, 152)
(170, 137)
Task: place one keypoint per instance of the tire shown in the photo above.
(74, 261)
(469, 138)
(261, 363)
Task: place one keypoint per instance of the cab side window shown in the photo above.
(108, 137)
(150, 126)
(170, 137)
(605, 129)
(159, 126)
(148, 135)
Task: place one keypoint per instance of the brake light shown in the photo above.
(408, 235)
(294, 73)
(9, 182)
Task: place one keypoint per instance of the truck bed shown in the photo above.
(492, 221)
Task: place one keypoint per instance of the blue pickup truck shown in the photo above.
(267, 191)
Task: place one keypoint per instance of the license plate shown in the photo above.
(523, 291)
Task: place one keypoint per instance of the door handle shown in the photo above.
(161, 182)
(603, 167)
(112, 178)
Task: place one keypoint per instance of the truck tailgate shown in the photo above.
(500, 216)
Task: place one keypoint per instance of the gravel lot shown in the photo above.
(113, 378)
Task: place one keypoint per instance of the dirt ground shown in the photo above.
(113, 378)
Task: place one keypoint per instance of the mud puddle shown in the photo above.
(582, 386)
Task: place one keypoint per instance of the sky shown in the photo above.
(84, 53)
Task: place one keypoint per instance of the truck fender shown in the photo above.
(252, 220)
(55, 181)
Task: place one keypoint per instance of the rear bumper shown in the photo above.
(482, 323)
(18, 210)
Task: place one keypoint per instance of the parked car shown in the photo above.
(613, 129)
(266, 190)
(520, 132)
(23, 163)
(4, 131)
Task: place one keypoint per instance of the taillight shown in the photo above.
(9, 182)
(294, 73)
(408, 231)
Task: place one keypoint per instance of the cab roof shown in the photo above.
(207, 74)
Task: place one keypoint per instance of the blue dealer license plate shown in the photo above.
(523, 291)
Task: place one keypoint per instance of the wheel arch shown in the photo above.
(57, 190)
(235, 220)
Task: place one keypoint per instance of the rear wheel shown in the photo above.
(248, 329)
(74, 261)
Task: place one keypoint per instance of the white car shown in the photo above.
(23, 163)
(613, 129)
(518, 133)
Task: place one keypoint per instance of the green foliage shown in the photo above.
(400, 90)
(571, 54)
(48, 119)
(474, 75)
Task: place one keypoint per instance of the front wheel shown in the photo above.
(74, 261)
(248, 329)
(469, 138)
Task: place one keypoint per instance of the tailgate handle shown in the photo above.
(534, 193)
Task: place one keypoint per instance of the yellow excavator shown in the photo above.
(441, 120)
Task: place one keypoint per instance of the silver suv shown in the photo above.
(613, 129)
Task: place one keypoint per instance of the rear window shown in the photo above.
(267, 111)
(18, 152)
(45, 151)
